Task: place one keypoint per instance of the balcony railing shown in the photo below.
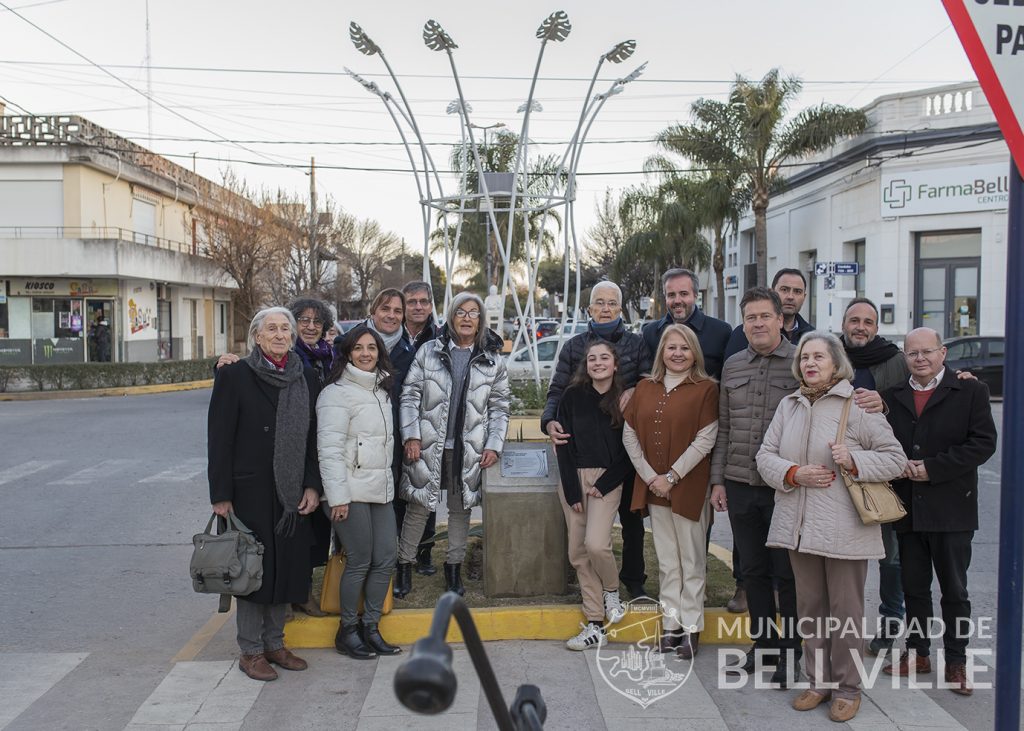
(114, 233)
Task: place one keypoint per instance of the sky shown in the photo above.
(259, 85)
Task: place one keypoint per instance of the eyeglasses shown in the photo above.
(417, 303)
(601, 304)
(471, 314)
(310, 321)
(915, 354)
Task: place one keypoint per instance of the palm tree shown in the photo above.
(478, 239)
(748, 137)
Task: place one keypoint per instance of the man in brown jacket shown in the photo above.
(754, 381)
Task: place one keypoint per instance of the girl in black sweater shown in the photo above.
(593, 466)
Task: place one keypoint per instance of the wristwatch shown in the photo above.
(671, 477)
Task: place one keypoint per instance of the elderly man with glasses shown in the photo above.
(634, 360)
(946, 428)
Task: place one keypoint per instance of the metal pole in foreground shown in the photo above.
(1011, 500)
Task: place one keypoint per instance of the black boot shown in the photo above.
(424, 564)
(348, 642)
(452, 579)
(376, 643)
(403, 580)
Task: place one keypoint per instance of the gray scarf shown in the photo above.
(290, 431)
(390, 341)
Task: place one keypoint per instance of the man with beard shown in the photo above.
(791, 286)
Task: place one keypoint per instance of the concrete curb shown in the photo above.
(98, 392)
(541, 622)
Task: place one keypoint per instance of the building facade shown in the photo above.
(98, 252)
(918, 202)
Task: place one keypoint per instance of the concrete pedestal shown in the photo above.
(525, 540)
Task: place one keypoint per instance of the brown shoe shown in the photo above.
(909, 662)
(669, 640)
(687, 647)
(956, 675)
(257, 667)
(286, 659)
(738, 603)
(310, 608)
(809, 700)
(844, 709)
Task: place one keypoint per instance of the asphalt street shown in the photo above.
(99, 499)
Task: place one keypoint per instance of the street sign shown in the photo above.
(821, 268)
(836, 268)
(847, 268)
(992, 34)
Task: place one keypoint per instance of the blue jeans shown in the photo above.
(890, 579)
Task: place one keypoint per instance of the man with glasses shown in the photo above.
(946, 428)
(634, 360)
(419, 312)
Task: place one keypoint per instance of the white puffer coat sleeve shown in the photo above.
(355, 440)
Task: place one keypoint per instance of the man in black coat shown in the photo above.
(945, 426)
(634, 360)
(680, 288)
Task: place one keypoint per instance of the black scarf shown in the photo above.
(876, 351)
(290, 431)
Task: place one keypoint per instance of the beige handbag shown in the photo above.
(876, 502)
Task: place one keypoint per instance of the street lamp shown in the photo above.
(486, 204)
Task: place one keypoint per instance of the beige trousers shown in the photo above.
(682, 566)
(590, 543)
(830, 589)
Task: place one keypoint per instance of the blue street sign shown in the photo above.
(847, 268)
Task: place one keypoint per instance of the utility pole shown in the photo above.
(314, 264)
(403, 260)
(149, 81)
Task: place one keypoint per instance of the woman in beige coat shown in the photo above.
(829, 546)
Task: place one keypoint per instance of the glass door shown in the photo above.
(948, 297)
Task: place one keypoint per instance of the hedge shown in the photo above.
(82, 376)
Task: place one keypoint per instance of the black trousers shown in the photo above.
(750, 514)
(949, 554)
(632, 571)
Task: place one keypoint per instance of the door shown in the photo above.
(163, 320)
(193, 319)
(948, 296)
(101, 338)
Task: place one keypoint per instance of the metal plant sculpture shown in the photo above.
(522, 201)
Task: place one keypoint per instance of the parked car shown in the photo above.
(982, 355)
(569, 329)
(345, 325)
(520, 367)
(546, 328)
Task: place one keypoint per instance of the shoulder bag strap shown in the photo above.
(841, 431)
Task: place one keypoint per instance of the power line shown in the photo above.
(494, 77)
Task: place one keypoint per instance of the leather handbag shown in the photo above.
(230, 562)
(876, 502)
(330, 591)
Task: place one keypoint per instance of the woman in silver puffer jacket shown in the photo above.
(454, 416)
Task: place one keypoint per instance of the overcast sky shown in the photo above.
(846, 52)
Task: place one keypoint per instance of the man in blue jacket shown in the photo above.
(680, 287)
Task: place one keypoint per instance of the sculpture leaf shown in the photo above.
(556, 27)
(455, 106)
(535, 106)
(361, 41)
(621, 51)
(636, 73)
(436, 38)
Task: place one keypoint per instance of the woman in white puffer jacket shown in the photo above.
(355, 442)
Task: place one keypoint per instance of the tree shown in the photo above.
(748, 137)
(244, 239)
(366, 250)
(606, 236)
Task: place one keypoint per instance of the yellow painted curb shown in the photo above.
(541, 622)
(96, 392)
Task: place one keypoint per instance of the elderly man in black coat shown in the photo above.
(945, 426)
(634, 360)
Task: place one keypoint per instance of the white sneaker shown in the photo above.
(613, 607)
(590, 636)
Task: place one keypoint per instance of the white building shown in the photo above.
(919, 201)
(94, 227)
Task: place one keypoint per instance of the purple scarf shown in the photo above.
(322, 351)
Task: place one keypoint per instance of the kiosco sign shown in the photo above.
(992, 33)
(946, 190)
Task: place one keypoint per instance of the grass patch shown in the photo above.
(426, 590)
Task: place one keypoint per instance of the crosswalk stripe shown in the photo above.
(181, 473)
(381, 710)
(27, 468)
(26, 676)
(193, 693)
(95, 473)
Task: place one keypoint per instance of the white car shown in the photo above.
(520, 367)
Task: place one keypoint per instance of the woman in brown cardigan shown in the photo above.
(671, 426)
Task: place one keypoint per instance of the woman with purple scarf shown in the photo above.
(314, 320)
